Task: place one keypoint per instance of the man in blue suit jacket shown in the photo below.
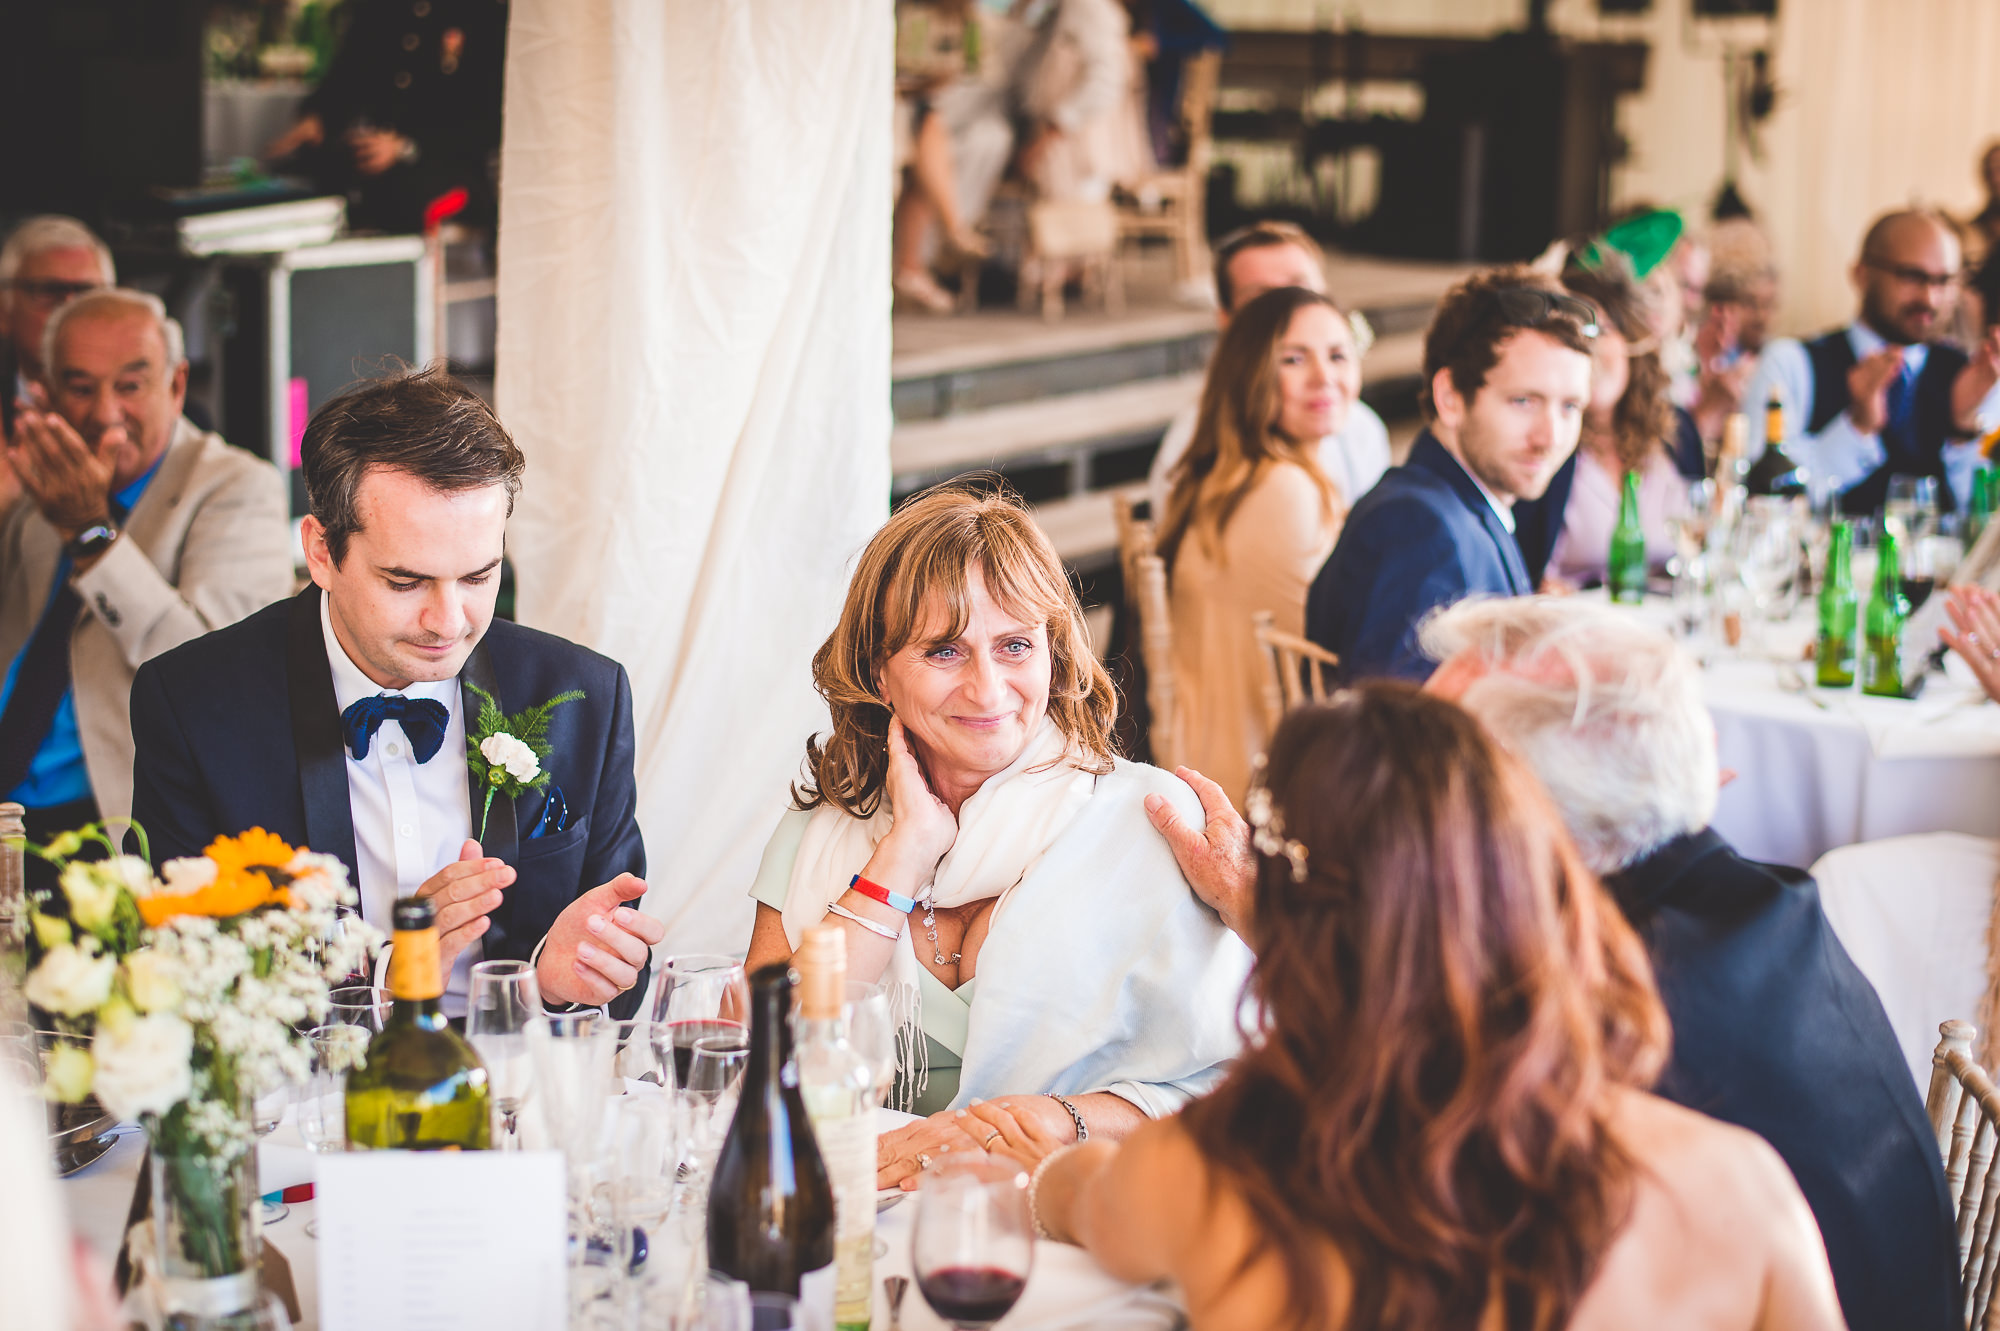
(339, 719)
(1507, 376)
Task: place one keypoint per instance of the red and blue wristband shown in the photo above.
(877, 892)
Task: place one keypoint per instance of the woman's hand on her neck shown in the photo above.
(924, 828)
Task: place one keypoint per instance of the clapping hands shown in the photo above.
(1975, 635)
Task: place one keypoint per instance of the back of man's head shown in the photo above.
(423, 423)
(1607, 711)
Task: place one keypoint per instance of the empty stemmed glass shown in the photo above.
(715, 1071)
(502, 1001)
(974, 1242)
(322, 1101)
(697, 995)
(872, 1032)
(366, 1006)
(572, 1056)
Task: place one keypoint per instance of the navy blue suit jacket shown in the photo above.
(1425, 536)
(240, 729)
(1776, 1030)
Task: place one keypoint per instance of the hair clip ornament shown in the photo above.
(1267, 828)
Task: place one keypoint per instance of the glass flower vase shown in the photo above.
(207, 1221)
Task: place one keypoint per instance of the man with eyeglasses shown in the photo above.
(1878, 398)
(46, 262)
(1506, 379)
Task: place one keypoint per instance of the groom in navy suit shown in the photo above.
(1507, 365)
(338, 719)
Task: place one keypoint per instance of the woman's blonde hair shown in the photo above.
(916, 571)
(1236, 433)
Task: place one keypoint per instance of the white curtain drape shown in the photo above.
(693, 351)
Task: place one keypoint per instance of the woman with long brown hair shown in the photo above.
(1438, 1124)
(1251, 516)
(1630, 425)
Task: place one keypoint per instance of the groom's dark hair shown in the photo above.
(421, 422)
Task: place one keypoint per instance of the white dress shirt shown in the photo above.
(410, 818)
(1839, 453)
(1353, 460)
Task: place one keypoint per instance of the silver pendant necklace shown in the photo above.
(930, 932)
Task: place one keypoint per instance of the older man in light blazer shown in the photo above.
(134, 533)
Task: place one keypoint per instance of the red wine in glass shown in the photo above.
(687, 1032)
(1917, 590)
(972, 1296)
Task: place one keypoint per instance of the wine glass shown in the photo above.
(1769, 560)
(501, 1002)
(323, 1099)
(974, 1243)
(715, 1071)
(699, 994)
(1911, 510)
(363, 1005)
(572, 1054)
(872, 1033)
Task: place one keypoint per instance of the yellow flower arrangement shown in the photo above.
(241, 880)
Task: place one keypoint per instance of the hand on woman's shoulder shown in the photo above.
(1717, 1223)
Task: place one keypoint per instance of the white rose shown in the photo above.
(149, 978)
(70, 981)
(92, 893)
(510, 753)
(143, 1069)
(188, 875)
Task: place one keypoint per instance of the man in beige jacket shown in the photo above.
(135, 532)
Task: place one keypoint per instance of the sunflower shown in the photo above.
(255, 851)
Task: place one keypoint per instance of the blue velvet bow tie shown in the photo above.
(422, 719)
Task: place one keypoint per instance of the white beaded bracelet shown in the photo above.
(1042, 1231)
(883, 930)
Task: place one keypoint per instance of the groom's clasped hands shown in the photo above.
(593, 952)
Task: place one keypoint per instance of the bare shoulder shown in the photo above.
(1718, 1234)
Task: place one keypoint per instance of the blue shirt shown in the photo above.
(56, 774)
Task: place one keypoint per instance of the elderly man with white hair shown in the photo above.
(1775, 1029)
(45, 262)
(135, 532)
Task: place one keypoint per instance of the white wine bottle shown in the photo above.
(422, 1087)
(770, 1202)
(839, 1090)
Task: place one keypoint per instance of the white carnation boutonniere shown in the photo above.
(505, 752)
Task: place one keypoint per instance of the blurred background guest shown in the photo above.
(1879, 398)
(408, 111)
(1738, 305)
(931, 51)
(1253, 515)
(45, 261)
(1248, 262)
(1985, 224)
(1075, 93)
(1631, 425)
(1442, 1123)
(138, 532)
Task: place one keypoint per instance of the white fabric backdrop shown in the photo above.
(694, 353)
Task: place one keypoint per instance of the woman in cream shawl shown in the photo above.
(1056, 959)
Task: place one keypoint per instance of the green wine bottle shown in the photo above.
(1626, 574)
(1882, 659)
(422, 1087)
(1839, 612)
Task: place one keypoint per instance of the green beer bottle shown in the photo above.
(1626, 575)
(1979, 507)
(1882, 661)
(1839, 612)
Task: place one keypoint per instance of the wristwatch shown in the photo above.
(91, 542)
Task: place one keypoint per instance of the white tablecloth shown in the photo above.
(1817, 769)
(1065, 1290)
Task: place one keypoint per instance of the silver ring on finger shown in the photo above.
(923, 1160)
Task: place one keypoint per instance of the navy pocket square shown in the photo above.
(554, 816)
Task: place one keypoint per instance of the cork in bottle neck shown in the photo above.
(822, 964)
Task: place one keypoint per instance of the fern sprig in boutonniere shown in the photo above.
(505, 752)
